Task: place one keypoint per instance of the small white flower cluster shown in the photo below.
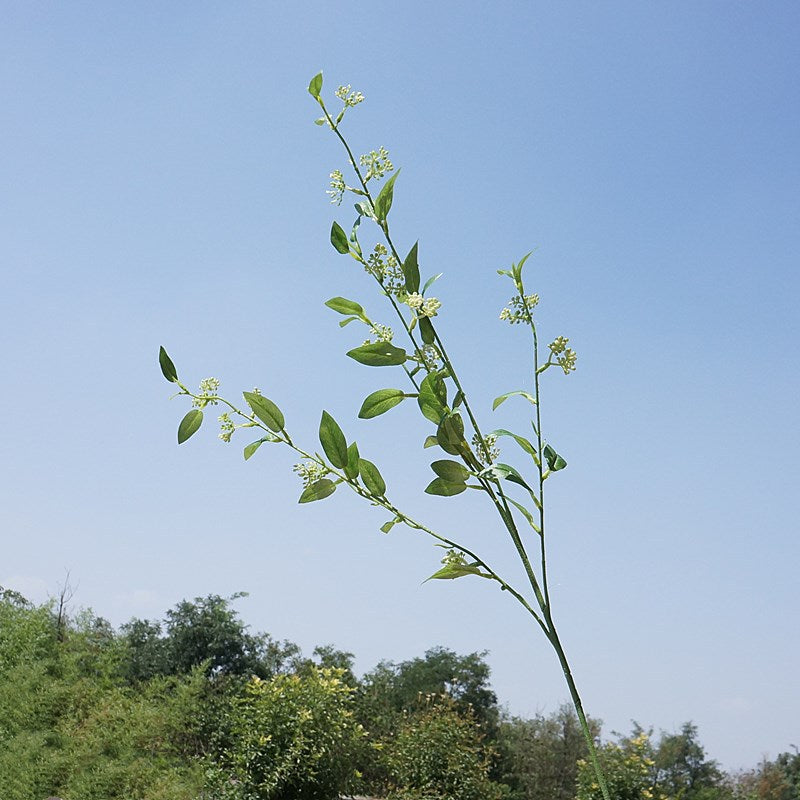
(520, 309)
(208, 389)
(226, 427)
(383, 332)
(431, 357)
(454, 558)
(565, 356)
(348, 97)
(384, 266)
(338, 187)
(425, 307)
(377, 163)
(487, 450)
(309, 471)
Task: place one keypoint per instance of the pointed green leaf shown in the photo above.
(384, 200)
(426, 329)
(554, 461)
(520, 440)
(451, 571)
(339, 239)
(380, 402)
(344, 306)
(450, 435)
(379, 354)
(431, 441)
(525, 513)
(372, 478)
(451, 471)
(431, 281)
(332, 440)
(351, 468)
(266, 411)
(503, 397)
(167, 367)
(319, 490)
(189, 424)
(387, 526)
(440, 486)
(315, 86)
(509, 473)
(432, 398)
(411, 270)
(252, 447)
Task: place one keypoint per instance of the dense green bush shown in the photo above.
(439, 754)
(294, 736)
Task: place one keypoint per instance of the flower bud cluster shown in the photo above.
(309, 471)
(430, 356)
(226, 427)
(377, 163)
(338, 187)
(208, 391)
(383, 333)
(454, 558)
(425, 307)
(564, 356)
(520, 308)
(384, 266)
(487, 450)
(348, 97)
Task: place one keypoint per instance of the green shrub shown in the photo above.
(438, 754)
(294, 736)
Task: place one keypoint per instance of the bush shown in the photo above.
(291, 737)
(438, 754)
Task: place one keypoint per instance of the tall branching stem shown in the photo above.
(343, 465)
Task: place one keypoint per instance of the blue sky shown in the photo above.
(165, 185)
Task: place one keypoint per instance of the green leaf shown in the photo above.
(426, 329)
(431, 441)
(265, 410)
(384, 200)
(351, 468)
(372, 478)
(451, 571)
(509, 473)
(445, 488)
(380, 402)
(167, 367)
(525, 513)
(189, 424)
(332, 440)
(520, 440)
(319, 490)
(554, 461)
(387, 526)
(516, 269)
(379, 354)
(315, 87)
(347, 307)
(451, 471)
(431, 281)
(503, 397)
(339, 239)
(432, 399)
(320, 121)
(450, 435)
(252, 447)
(411, 271)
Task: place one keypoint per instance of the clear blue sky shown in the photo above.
(164, 183)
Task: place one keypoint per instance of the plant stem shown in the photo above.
(576, 702)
